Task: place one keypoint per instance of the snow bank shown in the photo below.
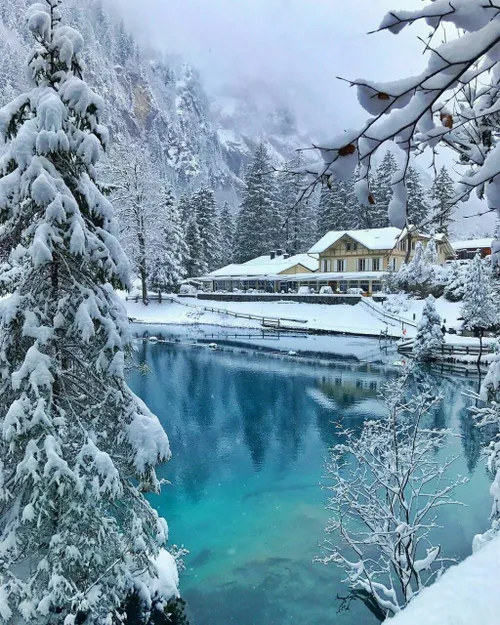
(467, 594)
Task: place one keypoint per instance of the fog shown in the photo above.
(293, 51)
(292, 48)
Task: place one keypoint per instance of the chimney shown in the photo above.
(279, 252)
(286, 255)
(272, 255)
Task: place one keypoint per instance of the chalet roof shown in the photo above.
(372, 239)
(265, 265)
(472, 244)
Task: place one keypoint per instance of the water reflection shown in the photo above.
(249, 433)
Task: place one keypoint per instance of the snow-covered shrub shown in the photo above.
(422, 276)
(385, 486)
(397, 303)
(78, 449)
(429, 338)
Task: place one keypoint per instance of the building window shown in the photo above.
(348, 246)
(354, 246)
(361, 264)
(323, 266)
(392, 264)
(375, 264)
(413, 244)
(341, 265)
(328, 265)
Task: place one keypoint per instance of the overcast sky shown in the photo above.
(296, 48)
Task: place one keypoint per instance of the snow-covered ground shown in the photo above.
(356, 319)
(467, 594)
(343, 318)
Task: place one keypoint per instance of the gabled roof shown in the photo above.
(372, 239)
(265, 265)
(472, 244)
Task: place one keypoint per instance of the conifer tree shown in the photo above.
(196, 265)
(170, 250)
(227, 233)
(455, 285)
(442, 193)
(478, 307)
(297, 214)
(259, 229)
(417, 208)
(382, 190)
(203, 204)
(334, 208)
(429, 338)
(77, 448)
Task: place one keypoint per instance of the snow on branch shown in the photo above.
(385, 486)
(453, 101)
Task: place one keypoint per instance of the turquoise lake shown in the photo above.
(249, 431)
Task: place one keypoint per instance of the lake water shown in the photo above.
(250, 430)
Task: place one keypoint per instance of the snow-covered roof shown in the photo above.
(299, 277)
(372, 239)
(472, 244)
(265, 265)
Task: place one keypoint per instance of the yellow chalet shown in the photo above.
(346, 261)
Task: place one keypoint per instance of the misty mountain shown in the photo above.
(246, 116)
(159, 103)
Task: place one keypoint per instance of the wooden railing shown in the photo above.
(270, 322)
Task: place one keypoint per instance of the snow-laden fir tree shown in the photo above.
(259, 228)
(429, 338)
(226, 235)
(382, 190)
(454, 289)
(297, 215)
(386, 485)
(417, 207)
(335, 208)
(196, 265)
(170, 251)
(203, 204)
(478, 309)
(415, 275)
(442, 193)
(77, 448)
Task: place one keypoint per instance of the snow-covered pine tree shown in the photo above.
(415, 275)
(170, 251)
(77, 449)
(297, 214)
(227, 234)
(442, 193)
(478, 306)
(417, 207)
(196, 265)
(203, 204)
(259, 229)
(429, 338)
(382, 190)
(455, 286)
(431, 252)
(334, 208)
